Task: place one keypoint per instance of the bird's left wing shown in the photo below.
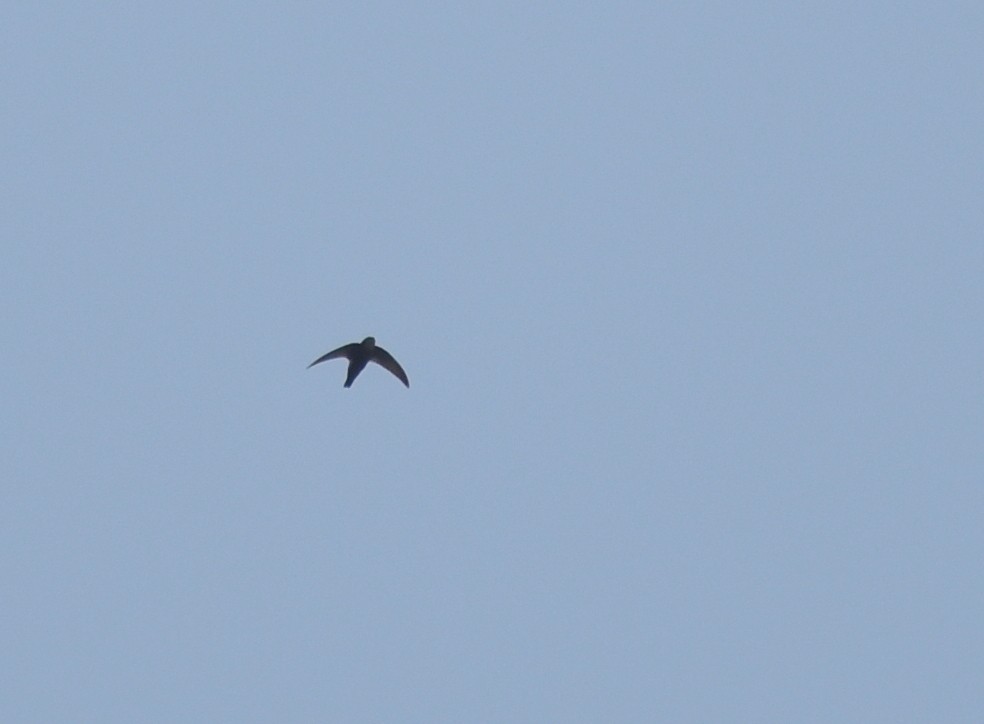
(343, 351)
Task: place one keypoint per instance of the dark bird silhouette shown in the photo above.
(359, 354)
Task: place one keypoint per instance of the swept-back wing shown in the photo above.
(384, 359)
(343, 351)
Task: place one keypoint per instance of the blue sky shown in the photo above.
(690, 300)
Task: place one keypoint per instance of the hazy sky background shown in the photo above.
(690, 298)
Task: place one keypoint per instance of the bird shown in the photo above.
(359, 354)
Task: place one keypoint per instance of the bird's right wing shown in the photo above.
(343, 351)
(383, 358)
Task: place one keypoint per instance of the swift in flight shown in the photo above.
(359, 354)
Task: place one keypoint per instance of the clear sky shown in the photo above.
(690, 298)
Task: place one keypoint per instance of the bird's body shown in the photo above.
(359, 354)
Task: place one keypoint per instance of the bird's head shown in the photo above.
(369, 342)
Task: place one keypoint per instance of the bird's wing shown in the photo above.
(343, 351)
(384, 359)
